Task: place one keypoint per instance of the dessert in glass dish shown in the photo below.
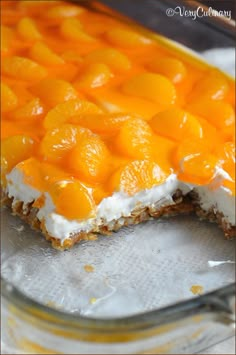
(105, 124)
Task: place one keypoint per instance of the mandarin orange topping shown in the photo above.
(226, 155)
(28, 30)
(172, 68)
(113, 101)
(113, 58)
(71, 28)
(44, 55)
(109, 123)
(154, 87)
(127, 38)
(22, 68)
(135, 139)
(54, 91)
(69, 111)
(190, 146)
(90, 159)
(198, 167)
(14, 149)
(32, 110)
(91, 105)
(63, 11)
(95, 75)
(136, 176)
(213, 85)
(218, 113)
(176, 124)
(72, 200)
(9, 100)
(7, 36)
(59, 141)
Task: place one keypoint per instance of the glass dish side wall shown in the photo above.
(187, 327)
(182, 29)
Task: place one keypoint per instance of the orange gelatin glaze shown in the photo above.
(92, 107)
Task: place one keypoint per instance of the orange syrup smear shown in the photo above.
(91, 105)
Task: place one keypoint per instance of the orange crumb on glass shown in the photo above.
(89, 268)
(196, 289)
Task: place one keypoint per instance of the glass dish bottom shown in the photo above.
(139, 269)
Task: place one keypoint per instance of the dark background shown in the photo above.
(200, 34)
(222, 5)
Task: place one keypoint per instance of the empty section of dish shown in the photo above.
(138, 269)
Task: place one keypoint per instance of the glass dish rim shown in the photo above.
(214, 301)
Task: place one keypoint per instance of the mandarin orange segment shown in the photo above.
(172, 68)
(9, 128)
(28, 30)
(66, 71)
(44, 55)
(127, 38)
(113, 101)
(67, 112)
(52, 173)
(30, 168)
(7, 36)
(199, 168)
(135, 139)
(163, 151)
(176, 124)
(150, 86)
(71, 28)
(105, 123)
(72, 56)
(41, 175)
(72, 200)
(113, 58)
(35, 6)
(218, 113)
(209, 132)
(89, 160)
(55, 91)
(99, 193)
(64, 11)
(14, 149)
(226, 154)
(59, 141)
(23, 68)
(136, 176)
(95, 75)
(9, 100)
(213, 85)
(32, 109)
(190, 147)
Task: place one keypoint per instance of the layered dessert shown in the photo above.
(105, 124)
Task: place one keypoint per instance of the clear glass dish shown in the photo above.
(133, 292)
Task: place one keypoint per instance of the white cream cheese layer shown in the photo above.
(119, 204)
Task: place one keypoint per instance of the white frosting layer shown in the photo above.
(221, 200)
(18, 189)
(119, 204)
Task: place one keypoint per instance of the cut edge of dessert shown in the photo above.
(103, 137)
(62, 236)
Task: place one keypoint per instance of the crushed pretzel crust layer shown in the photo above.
(182, 205)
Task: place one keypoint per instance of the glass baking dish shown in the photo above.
(143, 293)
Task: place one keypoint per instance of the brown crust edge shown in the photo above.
(183, 205)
